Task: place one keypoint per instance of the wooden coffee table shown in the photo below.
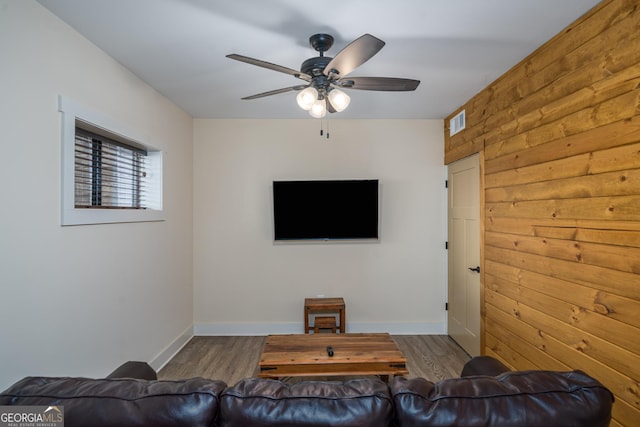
(353, 354)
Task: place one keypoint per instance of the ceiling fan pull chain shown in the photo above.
(327, 128)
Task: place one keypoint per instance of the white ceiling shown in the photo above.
(456, 48)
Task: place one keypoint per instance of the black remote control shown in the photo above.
(330, 351)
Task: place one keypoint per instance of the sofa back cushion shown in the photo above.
(513, 399)
(122, 402)
(270, 403)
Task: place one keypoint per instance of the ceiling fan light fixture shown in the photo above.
(318, 109)
(339, 100)
(323, 74)
(307, 97)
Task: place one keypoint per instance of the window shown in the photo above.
(107, 175)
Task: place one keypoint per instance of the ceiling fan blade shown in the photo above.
(378, 83)
(353, 55)
(275, 92)
(270, 66)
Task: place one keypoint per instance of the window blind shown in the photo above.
(108, 173)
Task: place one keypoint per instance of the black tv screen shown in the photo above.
(324, 210)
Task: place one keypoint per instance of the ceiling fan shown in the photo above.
(325, 76)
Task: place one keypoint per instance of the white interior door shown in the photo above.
(464, 253)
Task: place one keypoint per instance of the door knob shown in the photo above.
(476, 269)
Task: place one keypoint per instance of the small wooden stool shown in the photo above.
(324, 305)
(324, 322)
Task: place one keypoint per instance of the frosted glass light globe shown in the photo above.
(318, 109)
(307, 97)
(339, 100)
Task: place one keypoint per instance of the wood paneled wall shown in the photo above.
(561, 241)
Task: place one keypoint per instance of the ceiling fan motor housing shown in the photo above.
(315, 66)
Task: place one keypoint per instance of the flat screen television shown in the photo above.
(325, 210)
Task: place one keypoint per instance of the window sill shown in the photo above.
(87, 216)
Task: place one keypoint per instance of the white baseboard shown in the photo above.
(260, 329)
(246, 328)
(399, 328)
(172, 349)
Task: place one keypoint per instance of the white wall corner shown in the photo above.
(166, 354)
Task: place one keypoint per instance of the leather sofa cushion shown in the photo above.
(133, 369)
(512, 399)
(122, 402)
(483, 365)
(262, 402)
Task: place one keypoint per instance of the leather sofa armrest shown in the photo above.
(483, 365)
(513, 399)
(117, 402)
(136, 370)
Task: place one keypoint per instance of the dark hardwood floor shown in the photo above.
(230, 359)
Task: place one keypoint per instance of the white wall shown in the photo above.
(64, 313)
(246, 284)
(61, 311)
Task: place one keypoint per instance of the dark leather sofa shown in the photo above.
(487, 394)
